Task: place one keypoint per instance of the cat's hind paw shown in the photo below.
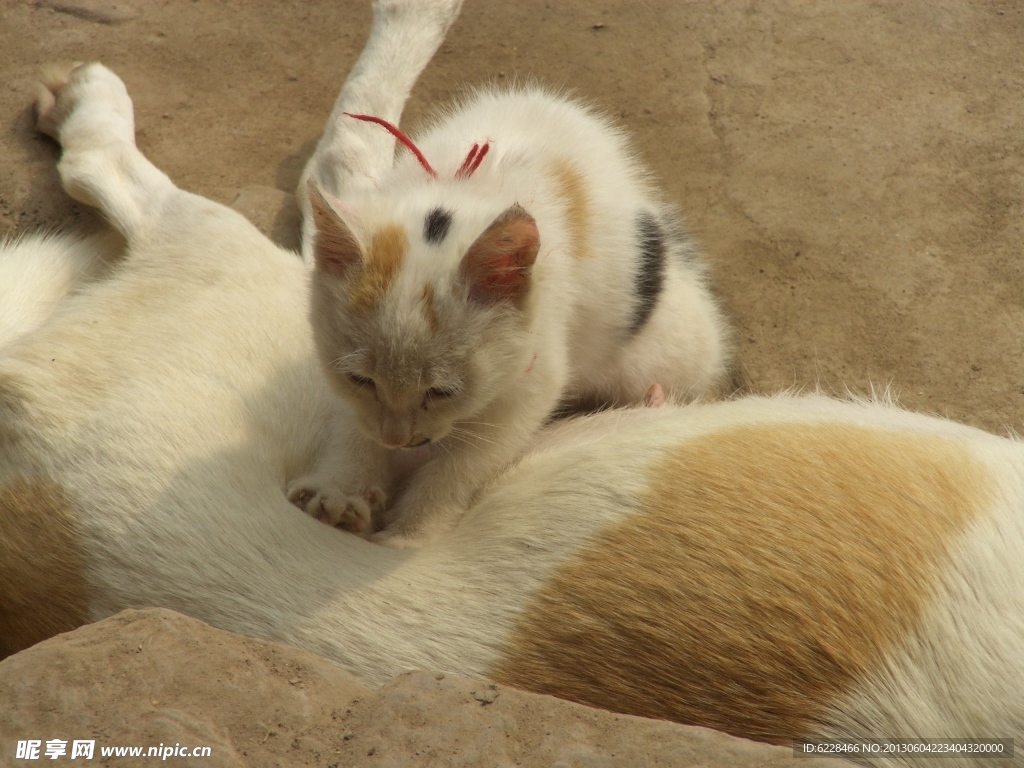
(83, 106)
(329, 504)
(51, 80)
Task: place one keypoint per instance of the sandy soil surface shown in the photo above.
(853, 169)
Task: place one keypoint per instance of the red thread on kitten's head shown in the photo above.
(397, 133)
(470, 164)
(473, 160)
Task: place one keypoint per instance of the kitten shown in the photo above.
(458, 307)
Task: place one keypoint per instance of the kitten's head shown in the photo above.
(421, 317)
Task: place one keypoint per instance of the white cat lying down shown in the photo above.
(774, 568)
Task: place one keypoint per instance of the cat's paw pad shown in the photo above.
(331, 505)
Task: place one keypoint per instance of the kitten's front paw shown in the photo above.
(413, 528)
(399, 539)
(329, 504)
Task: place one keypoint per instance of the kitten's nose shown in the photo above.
(395, 432)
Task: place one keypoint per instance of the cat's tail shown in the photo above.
(37, 272)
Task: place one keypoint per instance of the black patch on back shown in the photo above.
(436, 225)
(650, 275)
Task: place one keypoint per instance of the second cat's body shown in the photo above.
(462, 299)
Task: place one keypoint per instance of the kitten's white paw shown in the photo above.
(329, 504)
(414, 527)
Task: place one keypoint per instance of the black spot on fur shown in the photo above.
(650, 275)
(435, 228)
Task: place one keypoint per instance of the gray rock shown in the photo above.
(157, 678)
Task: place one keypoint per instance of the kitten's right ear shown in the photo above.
(498, 264)
(335, 248)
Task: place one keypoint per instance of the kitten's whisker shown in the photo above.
(337, 363)
(447, 450)
(468, 436)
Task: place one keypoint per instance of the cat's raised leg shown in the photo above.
(403, 38)
(86, 108)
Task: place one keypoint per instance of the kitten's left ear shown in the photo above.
(335, 248)
(497, 265)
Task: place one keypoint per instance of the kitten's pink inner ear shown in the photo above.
(335, 248)
(497, 265)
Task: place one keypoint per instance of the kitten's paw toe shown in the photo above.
(331, 505)
(349, 513)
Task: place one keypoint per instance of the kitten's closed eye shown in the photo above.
(360, 381)
(435, 393)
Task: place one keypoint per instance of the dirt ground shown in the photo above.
(852, 168)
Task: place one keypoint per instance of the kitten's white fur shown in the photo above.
(614, 300)
(173, 403)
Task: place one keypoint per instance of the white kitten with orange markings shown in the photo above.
(517, 258)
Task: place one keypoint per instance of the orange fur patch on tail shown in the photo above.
(768, 568)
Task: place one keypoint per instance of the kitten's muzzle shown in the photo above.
(414, 442)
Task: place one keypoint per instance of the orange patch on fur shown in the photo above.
(570, 188)
(12, 407)
(383, 258)
(767, 570)
(42, 586)
(429, 310)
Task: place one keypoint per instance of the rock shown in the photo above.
(152, 677)
(155, 678)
